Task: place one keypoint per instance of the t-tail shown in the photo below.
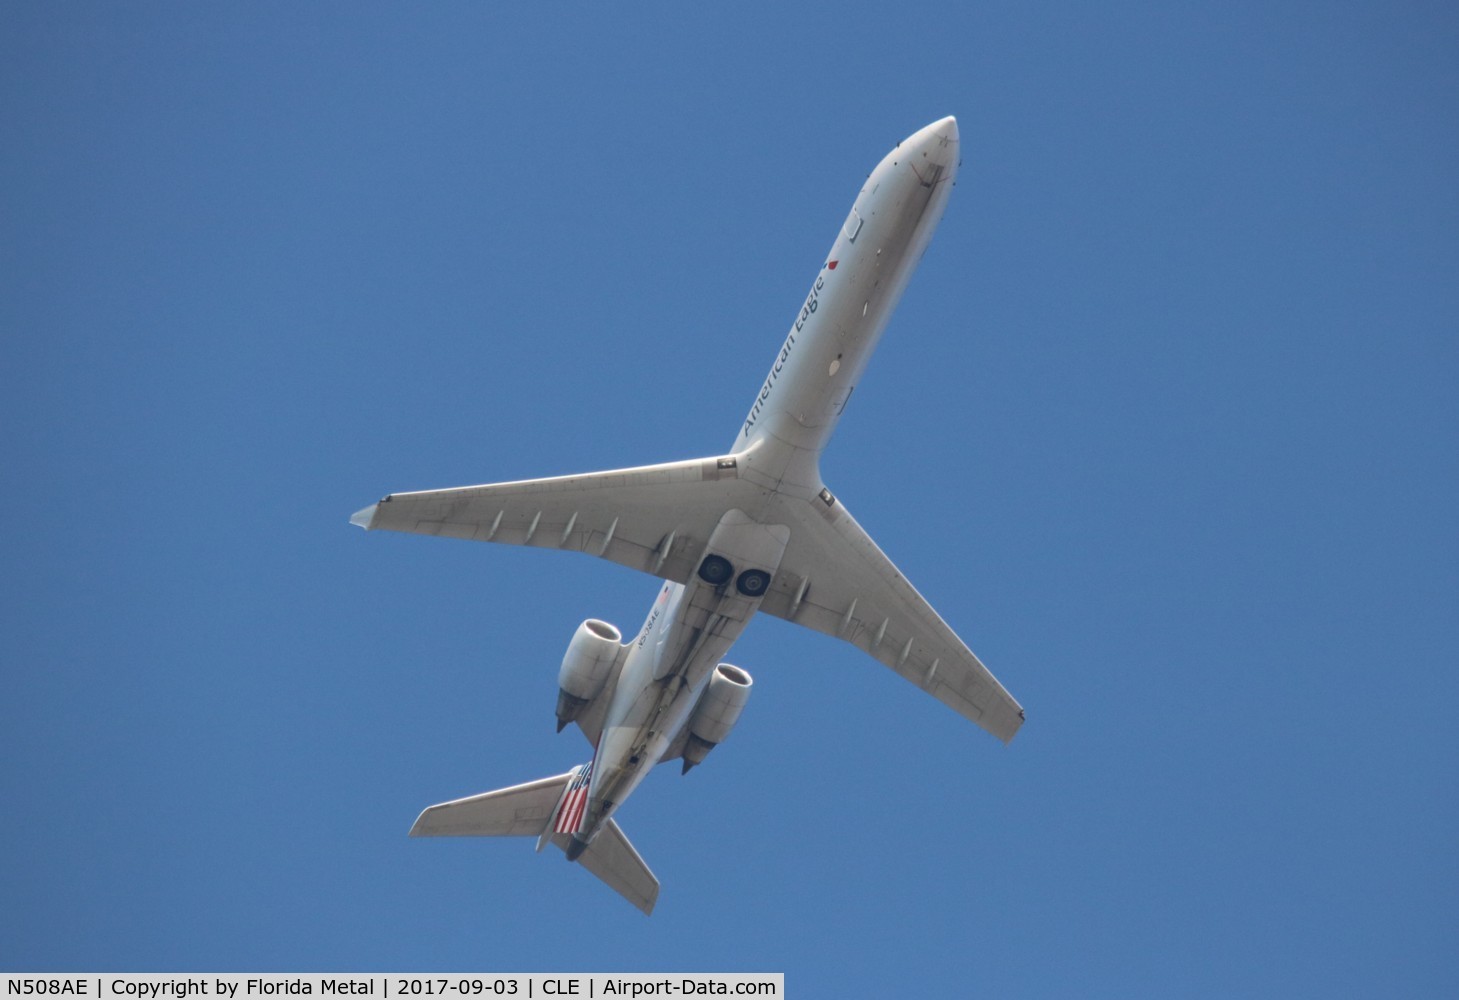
(552, 810)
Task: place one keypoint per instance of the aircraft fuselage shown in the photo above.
(691, 626)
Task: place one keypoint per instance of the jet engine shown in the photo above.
(585, 668)
(718, 710)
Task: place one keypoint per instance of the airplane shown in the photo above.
(751, 530)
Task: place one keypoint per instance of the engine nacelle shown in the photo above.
(585, 668)
(718, 710)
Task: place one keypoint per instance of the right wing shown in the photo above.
(834, 579)
(655, 518)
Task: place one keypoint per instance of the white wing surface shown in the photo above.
(524, 811)
(835, 580)
(658, 518)
(655, 518)
(613, 859)
(519, 811)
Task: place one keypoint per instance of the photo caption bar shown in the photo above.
(385, 986)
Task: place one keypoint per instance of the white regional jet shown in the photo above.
(753, 529)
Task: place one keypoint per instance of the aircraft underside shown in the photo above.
(752, 530)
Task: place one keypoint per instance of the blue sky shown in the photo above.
(1165, 427)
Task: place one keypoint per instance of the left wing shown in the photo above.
(654, 518)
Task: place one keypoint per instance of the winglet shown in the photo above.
(364, 517)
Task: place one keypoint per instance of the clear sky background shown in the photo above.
(1165, 427)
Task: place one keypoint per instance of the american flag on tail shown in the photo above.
(574, 800)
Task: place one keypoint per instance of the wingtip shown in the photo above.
(365, 517)
(1007, 739)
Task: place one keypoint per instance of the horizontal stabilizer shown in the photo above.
(525, 811)
(519, 811)
(612, 858)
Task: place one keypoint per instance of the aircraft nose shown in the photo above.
(937, 142)
(933, 151)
